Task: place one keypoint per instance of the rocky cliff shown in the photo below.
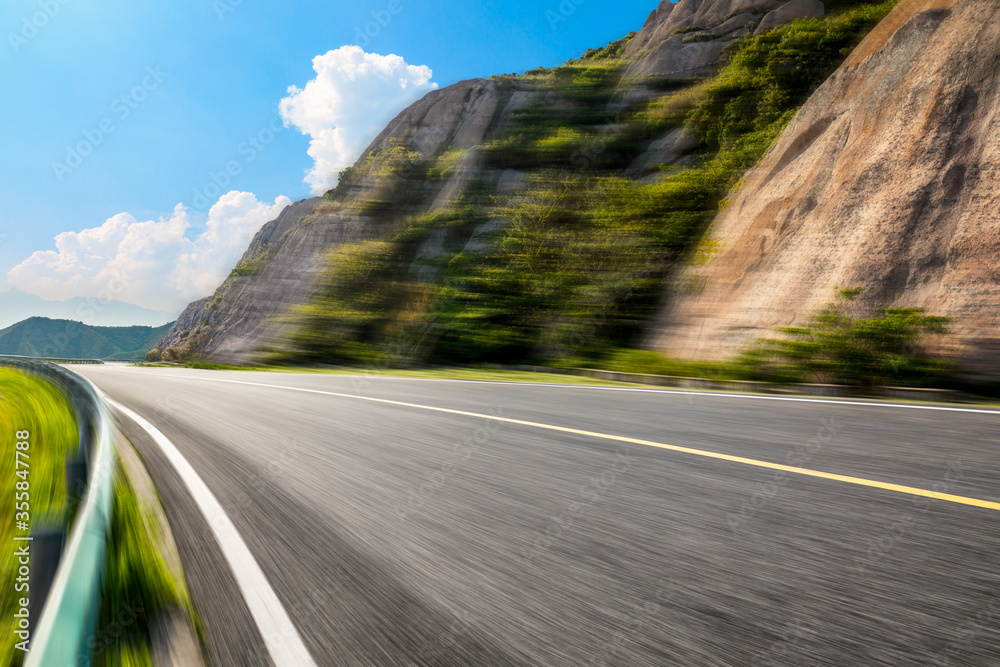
(281, 267)
(886, 179)
(686, 39)
(613, 131)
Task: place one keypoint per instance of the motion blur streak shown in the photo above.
(647, 443)
(283, 642)
(632, 561)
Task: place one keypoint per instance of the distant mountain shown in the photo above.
(16, 306)
(42, 337)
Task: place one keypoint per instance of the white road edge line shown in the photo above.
(682, 392)
(276, 628)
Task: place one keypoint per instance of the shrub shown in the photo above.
(445, 165)
(700, 37)
(611, 51)
(883, 348)
(247, 268)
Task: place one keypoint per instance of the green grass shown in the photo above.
(457, 373)
(653, 363)
(138, 584)
(28, 403)
(134, 572)
(490, 375)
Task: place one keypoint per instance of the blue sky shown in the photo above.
(166, 94)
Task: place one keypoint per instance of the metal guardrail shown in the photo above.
(55, 360)
(67, 615)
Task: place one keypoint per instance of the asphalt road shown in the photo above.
(397, 535)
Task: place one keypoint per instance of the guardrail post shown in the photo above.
(76, 482)
(46, 551)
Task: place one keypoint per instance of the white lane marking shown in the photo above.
(277, 630)
(681, 392)
(860, 481)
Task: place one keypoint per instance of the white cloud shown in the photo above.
(151, 263)
(351, 99)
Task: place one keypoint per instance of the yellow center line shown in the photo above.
(859, 481)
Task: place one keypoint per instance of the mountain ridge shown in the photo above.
(69, 339)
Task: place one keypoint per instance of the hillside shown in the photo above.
(42, 337)
(901, 203)
(535, 216)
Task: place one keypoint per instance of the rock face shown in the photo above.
(795, 9)
(689, 14)
(686, 40)
(459, 116)
(667, 150)
(282, 264)
(886, 179)
(243, 313)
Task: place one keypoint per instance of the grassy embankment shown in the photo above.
(135, 571)
(139, 587)
(29, 404)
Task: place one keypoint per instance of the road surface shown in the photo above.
(420, 522)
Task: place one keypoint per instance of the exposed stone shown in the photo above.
(676, 59)
(243, 313)
(687, 42)
(510, 179)
(429, 252)
(247, 312)
(886, 179)
(666, 150)
(519, 101)
(794, 9)
(660, 13)
(479, 240)
(737, 22)
(458, 116)
(693, 14)
(468, 167)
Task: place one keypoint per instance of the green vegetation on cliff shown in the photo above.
(572, 261)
